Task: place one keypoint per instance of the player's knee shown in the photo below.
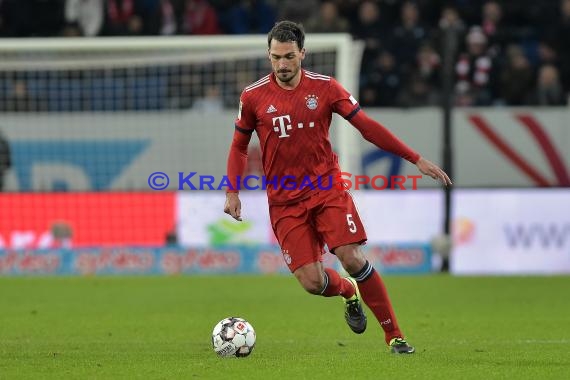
(351, 258)
(311, 277)
(312, 285)
(353, 265)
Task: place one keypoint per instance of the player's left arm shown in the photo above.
(345, 105)
(384, 139)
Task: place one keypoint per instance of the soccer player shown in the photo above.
(291, 110)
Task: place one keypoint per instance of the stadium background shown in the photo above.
(83, 129)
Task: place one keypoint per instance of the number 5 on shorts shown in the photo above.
(351, 224)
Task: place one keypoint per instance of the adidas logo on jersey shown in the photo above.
(271, 109)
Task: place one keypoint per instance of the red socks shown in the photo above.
(375, 296)
(336, 285)
(373, 293)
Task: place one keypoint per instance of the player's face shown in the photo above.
(286, 60)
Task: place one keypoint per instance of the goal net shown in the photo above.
(103, 114)
(160, 103)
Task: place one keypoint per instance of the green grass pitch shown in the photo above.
(159, 328)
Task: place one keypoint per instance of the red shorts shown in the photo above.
(303, 228)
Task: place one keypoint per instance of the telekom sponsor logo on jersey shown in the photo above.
(343, 181)
(282, 124)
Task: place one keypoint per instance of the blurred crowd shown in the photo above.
(510, 52)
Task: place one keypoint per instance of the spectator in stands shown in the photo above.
(160, 17)
(517, 78)
(546, 52)
(421, 88)
(182, 87)
(327, 20)
(370, 29)
(559, 32)
(449, 19)
(381, 85)
(5, 159)
(211, 102)
(428, 64)
(297, 10)
(539, 28)
(493, 26)
(349, 10)
(18, 97)
(84, 17)
(470, 10)
(475, 71)
(418, 92)
(249, 17)
(408, 36)
(243, 78)
(376, 70)
(549, 90)
(122, 18)
(199, 18)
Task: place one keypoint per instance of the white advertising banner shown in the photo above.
(400, 216)
(201, 221)
(511, 232)
(388, 216)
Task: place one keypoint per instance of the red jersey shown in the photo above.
(293, 130)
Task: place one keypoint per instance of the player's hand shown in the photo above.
(429, 168)
(233, 206)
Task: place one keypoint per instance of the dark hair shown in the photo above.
(287, 31)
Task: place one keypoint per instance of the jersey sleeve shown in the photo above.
(342, 101)
(245, 121)
(237, 157)
(344, 104)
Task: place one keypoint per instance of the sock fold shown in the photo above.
(335, 285)
(375, 296)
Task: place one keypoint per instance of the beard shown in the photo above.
(286, 76)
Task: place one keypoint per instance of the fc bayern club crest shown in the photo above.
(312, 101)
(286, 256)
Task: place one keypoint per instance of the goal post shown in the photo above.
(175, 97)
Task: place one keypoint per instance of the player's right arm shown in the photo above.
(237, 157)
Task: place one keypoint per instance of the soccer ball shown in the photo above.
(233, 336)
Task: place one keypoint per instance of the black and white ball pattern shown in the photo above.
(233, 336)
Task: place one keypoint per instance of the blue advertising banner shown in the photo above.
(174, 260)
